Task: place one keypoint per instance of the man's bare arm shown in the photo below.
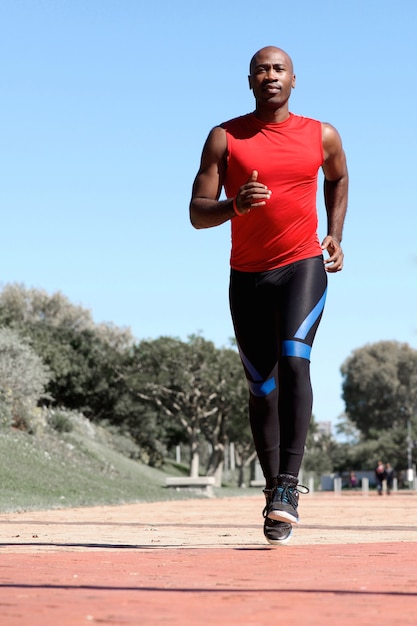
(335, 196)
(206, 210)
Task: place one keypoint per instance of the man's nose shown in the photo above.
(271, 74)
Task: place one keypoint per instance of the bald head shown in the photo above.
(271, 80)
(266, 52)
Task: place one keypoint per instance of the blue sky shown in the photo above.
(105, 105)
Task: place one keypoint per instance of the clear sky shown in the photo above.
(105, 106)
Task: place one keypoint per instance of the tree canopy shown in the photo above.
(23, 378)
(164, 392)
(380, 393)
(380, 386)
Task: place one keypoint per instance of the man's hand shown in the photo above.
(335, 261)
(251, 194)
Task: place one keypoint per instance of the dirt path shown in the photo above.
(352, 560)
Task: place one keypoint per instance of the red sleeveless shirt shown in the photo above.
(287, 157)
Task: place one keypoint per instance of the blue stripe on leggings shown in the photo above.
(252, 371)
(258, 387)
(296, 348)
(263, 388)
(311, 318)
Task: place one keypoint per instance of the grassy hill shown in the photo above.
(82, 467)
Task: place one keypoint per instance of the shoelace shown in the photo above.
(289, 494)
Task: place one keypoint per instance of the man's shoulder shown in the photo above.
(237, 122)
(303, 119)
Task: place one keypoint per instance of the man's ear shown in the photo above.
(250, 82)
(293, 81)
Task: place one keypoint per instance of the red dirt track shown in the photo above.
(352, 560)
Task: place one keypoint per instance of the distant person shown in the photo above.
(267, 162)
(389, 477)
(353, 481)
(380, 477)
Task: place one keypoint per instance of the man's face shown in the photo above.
(271, 77)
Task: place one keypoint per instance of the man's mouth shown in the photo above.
(271, 88)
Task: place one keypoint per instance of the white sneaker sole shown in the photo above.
(283, 516)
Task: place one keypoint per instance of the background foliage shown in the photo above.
(163, 393)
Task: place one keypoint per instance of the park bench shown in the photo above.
(203, 484)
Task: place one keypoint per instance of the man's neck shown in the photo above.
(274, 116)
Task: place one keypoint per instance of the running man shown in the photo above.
(267, 162)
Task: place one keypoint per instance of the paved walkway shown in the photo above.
(352, 560)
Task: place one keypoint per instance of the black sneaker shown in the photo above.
(277, 533)
(284, 502)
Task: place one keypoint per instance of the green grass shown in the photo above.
(52, 470)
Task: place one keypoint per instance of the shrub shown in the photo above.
(23, 377)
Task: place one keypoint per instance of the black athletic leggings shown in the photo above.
(275, 316)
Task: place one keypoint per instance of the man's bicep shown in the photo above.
(209, 179)
(334, 166)
(207, 183)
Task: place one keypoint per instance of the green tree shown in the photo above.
(224, 383)
(380, 386)
(83, 358)
(22, 307)
(192, 385)
(380, 394)
(167, 373)
(23, 377)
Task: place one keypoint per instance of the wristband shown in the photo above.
(235, 209)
